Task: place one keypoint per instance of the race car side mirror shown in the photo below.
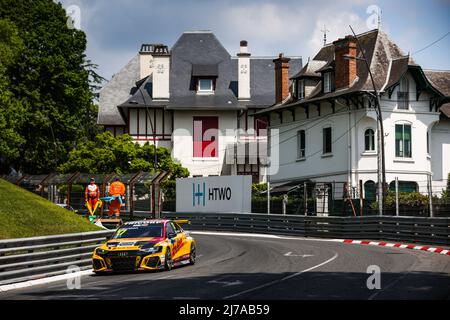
(171, 235)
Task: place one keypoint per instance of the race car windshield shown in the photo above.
(154, 230)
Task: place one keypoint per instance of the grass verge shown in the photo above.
(25, 214)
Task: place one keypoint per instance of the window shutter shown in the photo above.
(206, 137)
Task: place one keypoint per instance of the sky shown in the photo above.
(116, 29)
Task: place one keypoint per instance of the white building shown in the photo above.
(187, 98)
(328, 126)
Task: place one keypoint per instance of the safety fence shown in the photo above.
(34, 258)
(143, 189)
(406, 229)
(310, 198)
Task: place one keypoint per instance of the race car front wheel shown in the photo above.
(192, 255)
(169, 262)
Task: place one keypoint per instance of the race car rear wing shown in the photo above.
(182, 221)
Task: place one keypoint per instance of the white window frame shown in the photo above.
(210, 90)
(370, 142)
(402, 144)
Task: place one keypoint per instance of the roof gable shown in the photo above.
(116, 91)
(195, 54)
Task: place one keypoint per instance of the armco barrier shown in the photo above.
(407, 229)
(33, 258)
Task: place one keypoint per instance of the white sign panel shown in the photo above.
(230, 194)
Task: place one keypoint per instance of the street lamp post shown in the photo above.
(380, 135)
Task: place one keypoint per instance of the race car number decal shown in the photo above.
(121, 232)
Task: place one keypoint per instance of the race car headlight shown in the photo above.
(151, 249)
(100, 251)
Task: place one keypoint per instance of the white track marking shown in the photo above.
(257, 235)
(227, 283)
(42, 281)
(283, 279)
(290, 254)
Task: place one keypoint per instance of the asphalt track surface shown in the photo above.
(241, 267)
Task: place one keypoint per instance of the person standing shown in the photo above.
(92, 196)
(117, 190)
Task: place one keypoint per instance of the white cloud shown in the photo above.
(265, 23)
(338, 25)
(116, 28)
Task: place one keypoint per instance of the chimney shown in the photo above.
(345, 72)
(281, 78)
(146, 60)
(243, 72)
(161, 72)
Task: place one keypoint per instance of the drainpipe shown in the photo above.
(349, 142)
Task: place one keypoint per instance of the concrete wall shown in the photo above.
(440, 149)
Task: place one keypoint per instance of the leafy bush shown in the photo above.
(258, 189)
(109, 154)
(413, 200)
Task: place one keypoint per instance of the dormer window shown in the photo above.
(205, 86)
(204, 78)
(403, 94)
(327, 82)
(301, 89)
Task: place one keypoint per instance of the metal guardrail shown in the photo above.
(34, 258)
(39, 257)
(407, 229)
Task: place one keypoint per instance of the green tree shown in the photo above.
(11, 110)
(109, 154)
(53, 81)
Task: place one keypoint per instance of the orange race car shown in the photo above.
(145, 245)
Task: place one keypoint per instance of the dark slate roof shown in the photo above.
(201, 54)
(141, 95)
(398, 68)
(203, 48)
(199, 70)
(196, 53)
(330, 65)
(262, 79)
(116, 91)
(310, 69)
(199, 48)
(440, 80)
(378, 50)
(445, 109)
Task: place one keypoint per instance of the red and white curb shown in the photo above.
(397, 245)
(363, 242)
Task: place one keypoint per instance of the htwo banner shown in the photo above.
(225, 194)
